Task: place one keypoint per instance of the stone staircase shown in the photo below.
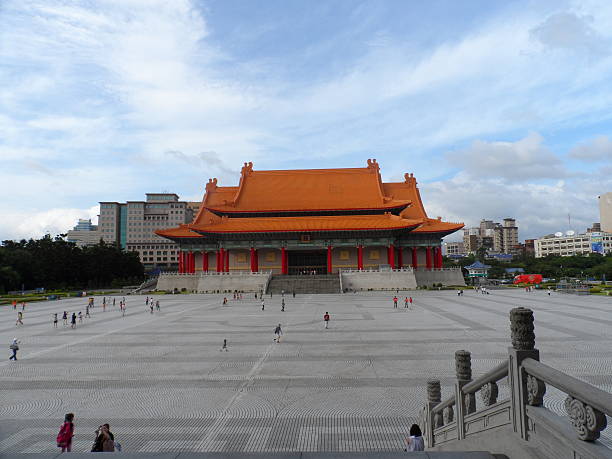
(321, 283)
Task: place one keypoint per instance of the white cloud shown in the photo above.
(597, 149)
(19, 225)
(523, 160)
(567, 30)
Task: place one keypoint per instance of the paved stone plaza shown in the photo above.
(163, 384)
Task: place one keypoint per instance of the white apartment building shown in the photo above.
(570, 245)
(132, 226)
(83, 234)
(605, 212)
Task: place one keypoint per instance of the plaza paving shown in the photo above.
(163, 384)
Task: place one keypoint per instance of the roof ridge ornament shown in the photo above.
(373, 165)
(211, 185)
(409, 178)
(247, 168)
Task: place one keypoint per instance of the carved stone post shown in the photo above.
(433, 421)
(465, 404)
(523, 347)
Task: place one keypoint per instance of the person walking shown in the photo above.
(147, 301)
(80, 317)
(19, 319)
(65, 317)
(14, 347)
(224, 347)
(224, 300)
(326, 320)
(294, 294)
(23, 304)
(410, 303)
(15, 305)
(113, 301)
(73, 320)
(395, 302)
(64, 437)
(55, 320)
(277, 333)
(283, 305)
(406, 302)
(157, 305)
(122, 309)
(415, 441)
(87, 311)
(263, 304)
(151, 307)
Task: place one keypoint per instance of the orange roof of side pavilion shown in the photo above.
(311, 200)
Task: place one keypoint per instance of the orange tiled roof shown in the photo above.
(180, 232)
(432, 225)
(307, 224)
(303, 190)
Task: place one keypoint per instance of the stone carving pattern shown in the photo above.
(448, 415)
(470, 403)
(489, 393)
(463, 365)
(521, 326)
(587, 421)
(438, 421)
(434, 392)
(535, 391)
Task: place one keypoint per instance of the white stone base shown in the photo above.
(214, 282)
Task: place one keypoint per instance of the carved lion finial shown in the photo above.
(248, 167)
(373, 165)
(211, 185)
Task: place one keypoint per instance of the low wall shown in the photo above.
(378, 280)
(213, 282)
(439, 276)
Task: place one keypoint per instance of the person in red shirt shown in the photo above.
(395, 302)
(64, 437)
(326, 319)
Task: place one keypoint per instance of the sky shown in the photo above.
(500, 109)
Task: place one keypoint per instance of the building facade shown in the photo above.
(84, 234)
(494, 237)
(605, 212)
(132, 226)
(454, 248)
(570, 245)
(314, 221)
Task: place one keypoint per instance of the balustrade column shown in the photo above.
(428, 257)
(432, 421)
(391, 256)
(205, 261)
(329, 259)
(524, 389)
(360, 257)
(464, 403)
(415, 258)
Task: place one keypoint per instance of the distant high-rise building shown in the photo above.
(493, 236)
(605, 212)
(132, 226)
(84, 234)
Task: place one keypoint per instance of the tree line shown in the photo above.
(595, 266)
(54, 263)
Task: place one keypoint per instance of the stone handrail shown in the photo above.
(586, 405)
(214, 273)
(492, 376)
(457, 418)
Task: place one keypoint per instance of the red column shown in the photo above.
(283, 260)
(205, 261)
(226, 262)
(360, 257)
(221, 260)
(391, 256)
(256, 260)
(180, 262)
(439, 262)
(329, 259)
(415, 259)
(428, 257)
(400, 258)
(252, 258)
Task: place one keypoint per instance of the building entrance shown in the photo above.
(307, 262)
